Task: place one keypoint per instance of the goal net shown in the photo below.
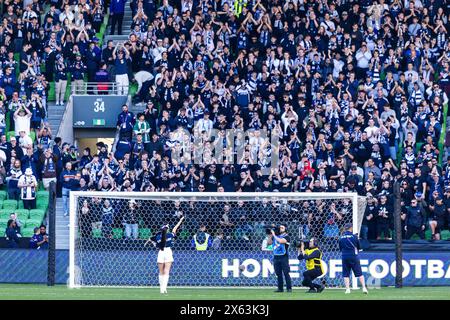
(221, 243)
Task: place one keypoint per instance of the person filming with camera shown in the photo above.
(314, 266)
(280, 240)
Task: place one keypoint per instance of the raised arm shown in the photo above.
(174, 230)
(114, 51)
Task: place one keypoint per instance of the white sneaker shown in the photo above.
(57, 103)
(347, 291)
(365, 290)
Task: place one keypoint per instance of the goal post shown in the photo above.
(221, 243)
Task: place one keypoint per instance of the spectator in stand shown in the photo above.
(48, 163)
(93, 57)
(22, 120)
(107, 219)
(439, 218)
(383, 212)
(34, 238)
(415, 220)
(142, 127)
(25, 142)
(11, 234)
(121, 57)
(102, 77)
(66, 175)
(40, 238)
(12, 177)
(116, 11)
(61, 78)
(78, 71)
(28, 184)
(130, 220)
(13, 216)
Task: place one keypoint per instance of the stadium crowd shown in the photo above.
(356, 92)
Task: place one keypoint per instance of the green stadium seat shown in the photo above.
(418, 146)
(3, 195)
(145, 233)
(96, 233)
(42, 200)
(37, 214)
(23, 214)
(3, 224)
(42, 194)
(20, 204)
(27, 232)
(117, 233)
(32, 136)
(445, 235)
(31, 223)
(10, 204)
(4, 213)
(10, 134)
(42, 206)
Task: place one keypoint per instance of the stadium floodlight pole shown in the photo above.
(398, 236)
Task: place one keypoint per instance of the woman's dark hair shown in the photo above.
(10, 222)
(162, 244)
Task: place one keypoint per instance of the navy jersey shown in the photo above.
(169, 239)
(349, 245)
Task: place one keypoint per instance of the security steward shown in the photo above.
(202, 240)
(281, 256)
(314, 265)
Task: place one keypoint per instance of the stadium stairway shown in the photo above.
(137, 108)
(62, 229)
(126, 28)
(55, 115)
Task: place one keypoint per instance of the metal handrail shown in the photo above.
(98, 88)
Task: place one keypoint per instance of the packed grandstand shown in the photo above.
(355, 92)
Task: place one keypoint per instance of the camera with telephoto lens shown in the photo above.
(298, 243)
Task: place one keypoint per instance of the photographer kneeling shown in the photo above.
(314, 267)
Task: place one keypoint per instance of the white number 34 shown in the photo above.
(99, 106)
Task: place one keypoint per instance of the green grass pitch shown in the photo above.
(61, 292)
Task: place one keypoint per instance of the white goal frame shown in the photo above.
(184, 195)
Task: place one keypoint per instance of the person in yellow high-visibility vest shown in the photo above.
(238, 6)
(202, 240)
(314, 265)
